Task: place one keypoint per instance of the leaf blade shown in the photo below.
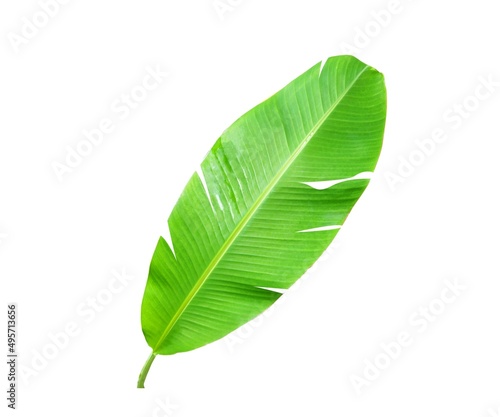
(255, 176)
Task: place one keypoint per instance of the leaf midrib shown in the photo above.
(248, 216)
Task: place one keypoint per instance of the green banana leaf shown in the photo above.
(274, 191)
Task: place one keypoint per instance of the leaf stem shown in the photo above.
(145, 370)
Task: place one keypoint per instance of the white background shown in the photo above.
(61, 240)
